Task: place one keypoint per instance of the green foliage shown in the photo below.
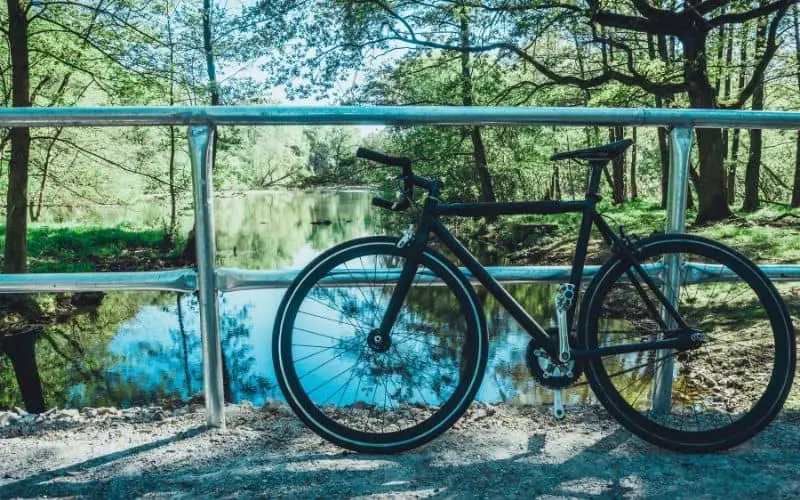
(86, 248)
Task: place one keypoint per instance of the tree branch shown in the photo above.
(96, 10)
(106, 54)
(763, 62)
(644, 8)
(707, 6)
(633, 23)
(663, 89)
(102, 158)
(741, 17)
(73, 66)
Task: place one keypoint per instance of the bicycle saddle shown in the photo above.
(606, 152)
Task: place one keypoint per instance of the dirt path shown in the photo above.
(493, 452)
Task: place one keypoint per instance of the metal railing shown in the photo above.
(209, 281)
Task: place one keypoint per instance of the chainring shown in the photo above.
(542, 367)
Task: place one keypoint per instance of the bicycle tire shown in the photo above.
(406, 361)
(770, 333)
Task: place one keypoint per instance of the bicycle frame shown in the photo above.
(429, 223)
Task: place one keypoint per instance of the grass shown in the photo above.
(89, 248)
(770, 235)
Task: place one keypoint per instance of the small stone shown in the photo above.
(107, 410)
(590, 419)
(179, 412)
(6, 418)
(247, 405)
(271, 406)
(68, 413)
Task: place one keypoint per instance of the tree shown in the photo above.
(752, 174)
(796, 186)
(467, 99)
(516, 28)
(31, 30)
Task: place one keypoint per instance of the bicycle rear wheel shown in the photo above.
(709, 398)
(363, 396)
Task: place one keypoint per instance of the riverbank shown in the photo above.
(77, 248)
(769, 235)
(492, 452)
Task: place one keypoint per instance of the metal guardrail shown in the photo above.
(236, 280)
(208, 281)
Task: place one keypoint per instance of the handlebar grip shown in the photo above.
(395, 161)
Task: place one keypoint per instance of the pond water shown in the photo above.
(143, 347)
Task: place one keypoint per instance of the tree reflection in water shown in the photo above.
(143, 347)
(347, 379)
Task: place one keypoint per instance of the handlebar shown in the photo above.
(394, 161)
(409, 180)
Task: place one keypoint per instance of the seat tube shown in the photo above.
(413, 258)
(595, 175)
(579, 258)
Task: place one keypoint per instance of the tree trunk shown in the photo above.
(478, 146)
(37, 211)
(663, 143)
(190, 251)
(711, 186)
(713, 204)
(617, 168)
(208, 48)
(556, 184)
(15, 252)
(634, 148)
(227, 389)
(663, 149)
(726, 94)
(187, 374)
(796, 186)
(752, 172)
(173, 189)
(720, 57)
(481, 165)
(737, 133)
(20, 348)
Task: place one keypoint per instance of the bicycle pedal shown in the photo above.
(558, 405)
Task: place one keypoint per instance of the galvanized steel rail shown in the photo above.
(209, 281)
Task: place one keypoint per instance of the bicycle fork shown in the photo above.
(414, 240)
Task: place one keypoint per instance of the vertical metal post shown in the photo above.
(680, 147)
(201, 150)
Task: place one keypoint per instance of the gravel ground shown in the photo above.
(493, 452)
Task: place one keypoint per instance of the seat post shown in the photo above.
(595, 175)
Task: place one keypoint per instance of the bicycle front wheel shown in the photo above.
(709, 398)
(368, 397)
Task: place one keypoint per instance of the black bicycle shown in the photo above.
(380, 343)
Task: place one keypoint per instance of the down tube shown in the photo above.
(508, 302)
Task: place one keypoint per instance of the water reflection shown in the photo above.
(138, 348)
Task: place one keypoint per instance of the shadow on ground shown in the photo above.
(525, 459)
